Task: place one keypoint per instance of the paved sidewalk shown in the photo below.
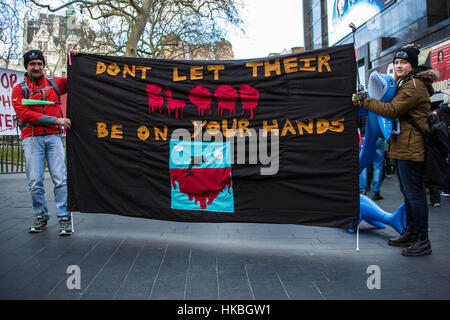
(129, 258)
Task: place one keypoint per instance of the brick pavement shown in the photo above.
(130, 258)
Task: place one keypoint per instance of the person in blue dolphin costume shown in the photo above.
(383, 88)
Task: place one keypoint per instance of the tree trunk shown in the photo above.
(137, 29)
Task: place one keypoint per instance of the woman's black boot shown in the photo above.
(419, 248)
(406, 239)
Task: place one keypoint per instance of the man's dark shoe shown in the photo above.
(65, 226)
(406, 239)
(377, 196)
(436, 204)
(39, 224)
(363, 192)
(419, 248)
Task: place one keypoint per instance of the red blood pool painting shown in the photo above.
(200, 176)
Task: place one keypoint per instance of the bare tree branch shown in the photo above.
(143, 27)
(11, 30)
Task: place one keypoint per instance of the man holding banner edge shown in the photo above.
(41, 138)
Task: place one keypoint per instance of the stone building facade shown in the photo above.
(54, 35)
(174, 48)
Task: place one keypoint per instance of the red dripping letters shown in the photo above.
(249, 98)
(201, 97)
(174, 104)
(154, 100)
(226, 96)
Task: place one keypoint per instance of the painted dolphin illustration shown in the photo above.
(381, 87)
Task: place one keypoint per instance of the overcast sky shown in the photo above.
(271, 26)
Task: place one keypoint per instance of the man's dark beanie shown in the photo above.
(33, 55)
(410, 54)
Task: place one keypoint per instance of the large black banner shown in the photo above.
(263, 140)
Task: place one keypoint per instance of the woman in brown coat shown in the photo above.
(407, 148)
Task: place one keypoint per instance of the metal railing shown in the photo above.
(12, 158)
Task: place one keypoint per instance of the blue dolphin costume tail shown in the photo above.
(381, 87)
(372, 213)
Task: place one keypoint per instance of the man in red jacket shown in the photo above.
(41, 139)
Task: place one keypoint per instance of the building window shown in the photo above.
(42, 45)
(316, 13)
(317, 30)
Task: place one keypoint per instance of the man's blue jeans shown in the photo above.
(37, 149)
(411, 185)
(377, 170)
